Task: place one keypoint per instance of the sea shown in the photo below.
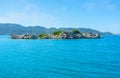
(57, 58)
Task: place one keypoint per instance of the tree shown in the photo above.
(42, 35)
(57, 32)
(76, 31)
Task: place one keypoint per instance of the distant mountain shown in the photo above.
(8, 29)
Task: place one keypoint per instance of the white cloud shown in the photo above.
(31, 16)
(22, 0)
(111, 6)
(89, 5)
(99, 4)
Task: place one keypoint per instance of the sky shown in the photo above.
(102, 15)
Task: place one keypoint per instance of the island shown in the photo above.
(58, 34)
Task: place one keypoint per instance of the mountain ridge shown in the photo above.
(11, 28)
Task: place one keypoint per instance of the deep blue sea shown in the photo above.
(80, 58)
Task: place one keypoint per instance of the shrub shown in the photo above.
(42, 35)
(76, 31)
(57, 32)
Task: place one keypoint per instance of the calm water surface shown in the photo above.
(83, 58)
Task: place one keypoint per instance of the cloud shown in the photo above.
(89, 5)
(99, 4)
(31, 16)
(22, 1)
(111, 7)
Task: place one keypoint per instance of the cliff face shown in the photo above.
(67, 35)
(25, 36)
(60, 35)
(71, 35)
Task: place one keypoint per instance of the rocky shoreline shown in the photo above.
(75, 34)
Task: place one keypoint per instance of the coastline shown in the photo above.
(75, 34)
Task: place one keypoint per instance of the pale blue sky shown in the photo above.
(103, 15)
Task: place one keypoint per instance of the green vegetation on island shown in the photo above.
(42, 35)
(58, 34)
(75, 31)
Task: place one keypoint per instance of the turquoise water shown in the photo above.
(83, 58)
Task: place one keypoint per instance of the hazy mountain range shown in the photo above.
(8, 29)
